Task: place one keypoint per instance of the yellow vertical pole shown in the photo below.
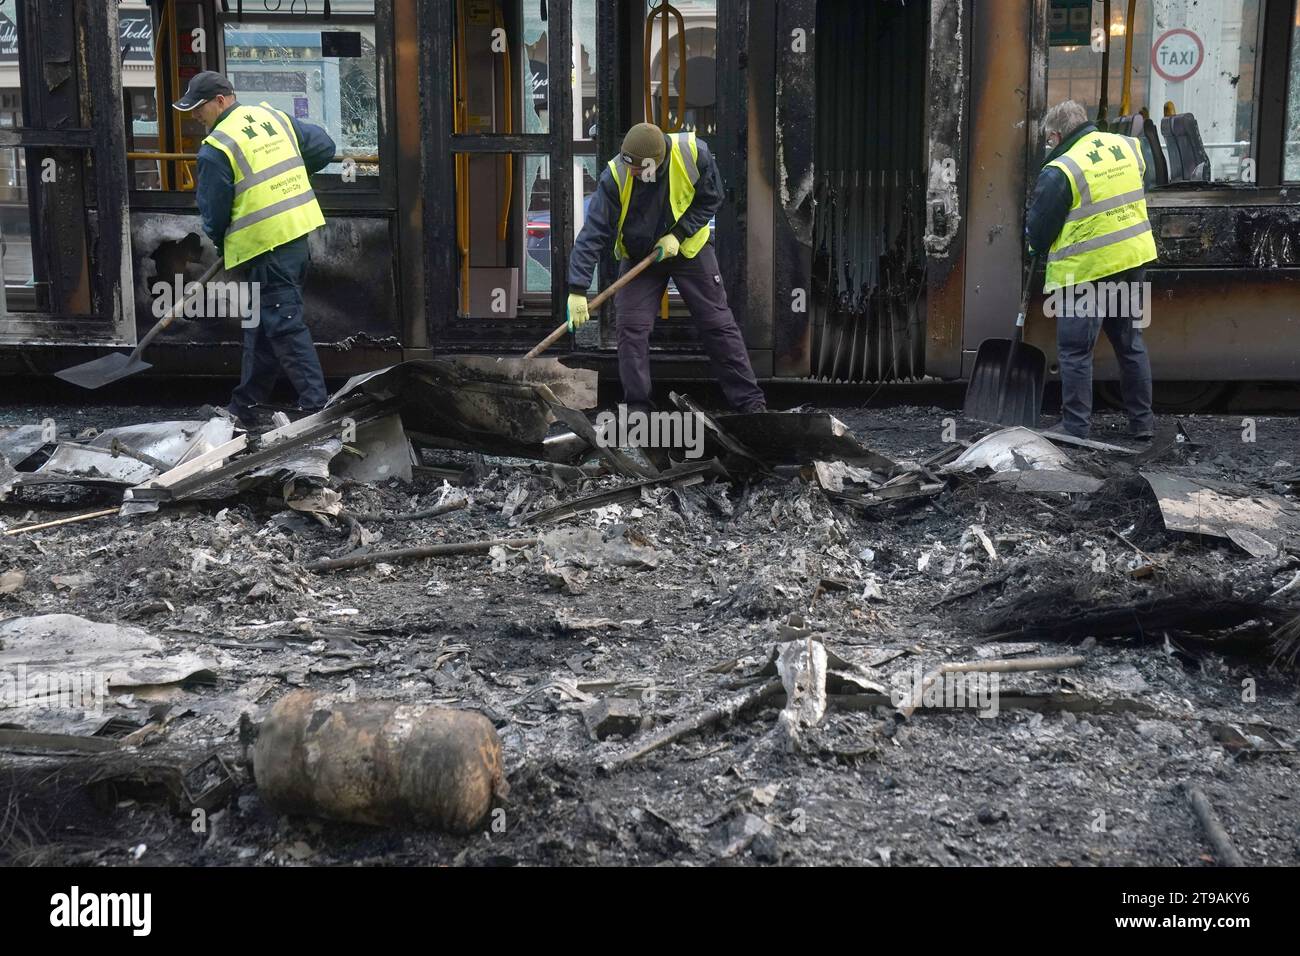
(161, 108)
(509, 123)
(1124, 98)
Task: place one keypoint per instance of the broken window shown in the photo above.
(1186, 58)
(586, 165)
(537, 189)
(327, 75)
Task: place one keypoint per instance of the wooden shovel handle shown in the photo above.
(1024, 300)
(599, 300)
(176, 309)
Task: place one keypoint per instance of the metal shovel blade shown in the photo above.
(101, 371)
(1006, 385)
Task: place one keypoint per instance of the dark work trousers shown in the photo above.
(1077, 329)
(700, 285)
(279, 339)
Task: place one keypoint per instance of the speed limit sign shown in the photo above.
(1178, 55)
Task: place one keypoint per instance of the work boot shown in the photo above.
(1140, 432)
(211, 411)
(1060, 429)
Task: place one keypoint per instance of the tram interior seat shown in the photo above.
(1145, 132)
(1188, 161)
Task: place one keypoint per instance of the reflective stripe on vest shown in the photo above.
(683, 174)
(1107, 230)
(274, 202)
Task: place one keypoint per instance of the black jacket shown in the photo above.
(1052, 200)
(649, 216)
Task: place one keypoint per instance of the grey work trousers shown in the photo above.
(1078, 327)
(700, 285)
(280, 340)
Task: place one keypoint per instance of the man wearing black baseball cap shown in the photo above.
(254, 194)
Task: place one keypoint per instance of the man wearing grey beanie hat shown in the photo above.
(661, 194)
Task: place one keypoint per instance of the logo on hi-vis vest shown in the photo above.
(253, 127)
(1095, 154)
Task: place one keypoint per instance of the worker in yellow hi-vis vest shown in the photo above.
(1089, 217)
(254, 194)
(661, 194)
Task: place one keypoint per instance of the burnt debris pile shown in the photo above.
(783, 637)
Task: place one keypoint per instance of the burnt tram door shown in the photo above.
(63, 213)
(518, 131)
(868, 190)
(509, 154)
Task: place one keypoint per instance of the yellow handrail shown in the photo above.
(665, 10)
(368, 160)
(1124, 102)
(1103, 98)
(177, 118)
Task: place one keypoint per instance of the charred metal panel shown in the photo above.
(58, 206)
(437, 31)
(410, 199)
(1205, 325)
(1002, 57)
(350, 287)
(1254, 232)
(796, 88)
(112, 263)
(1038, 50)
(78, 210)
(1275, 58)
(760, 206)
(559, 49)
(730, 151)
(868, 251)
(1217, 324)
(946, 190)
(613, 48)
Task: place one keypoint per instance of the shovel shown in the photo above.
(573, 387)
(599, 300)
(1006, 385)
(101, 371)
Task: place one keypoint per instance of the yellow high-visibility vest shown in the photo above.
(683, 174)
(274, 202)
(1107, 230)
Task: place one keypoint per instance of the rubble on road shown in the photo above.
(749, 656)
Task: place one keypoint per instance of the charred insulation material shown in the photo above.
(868, 251)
